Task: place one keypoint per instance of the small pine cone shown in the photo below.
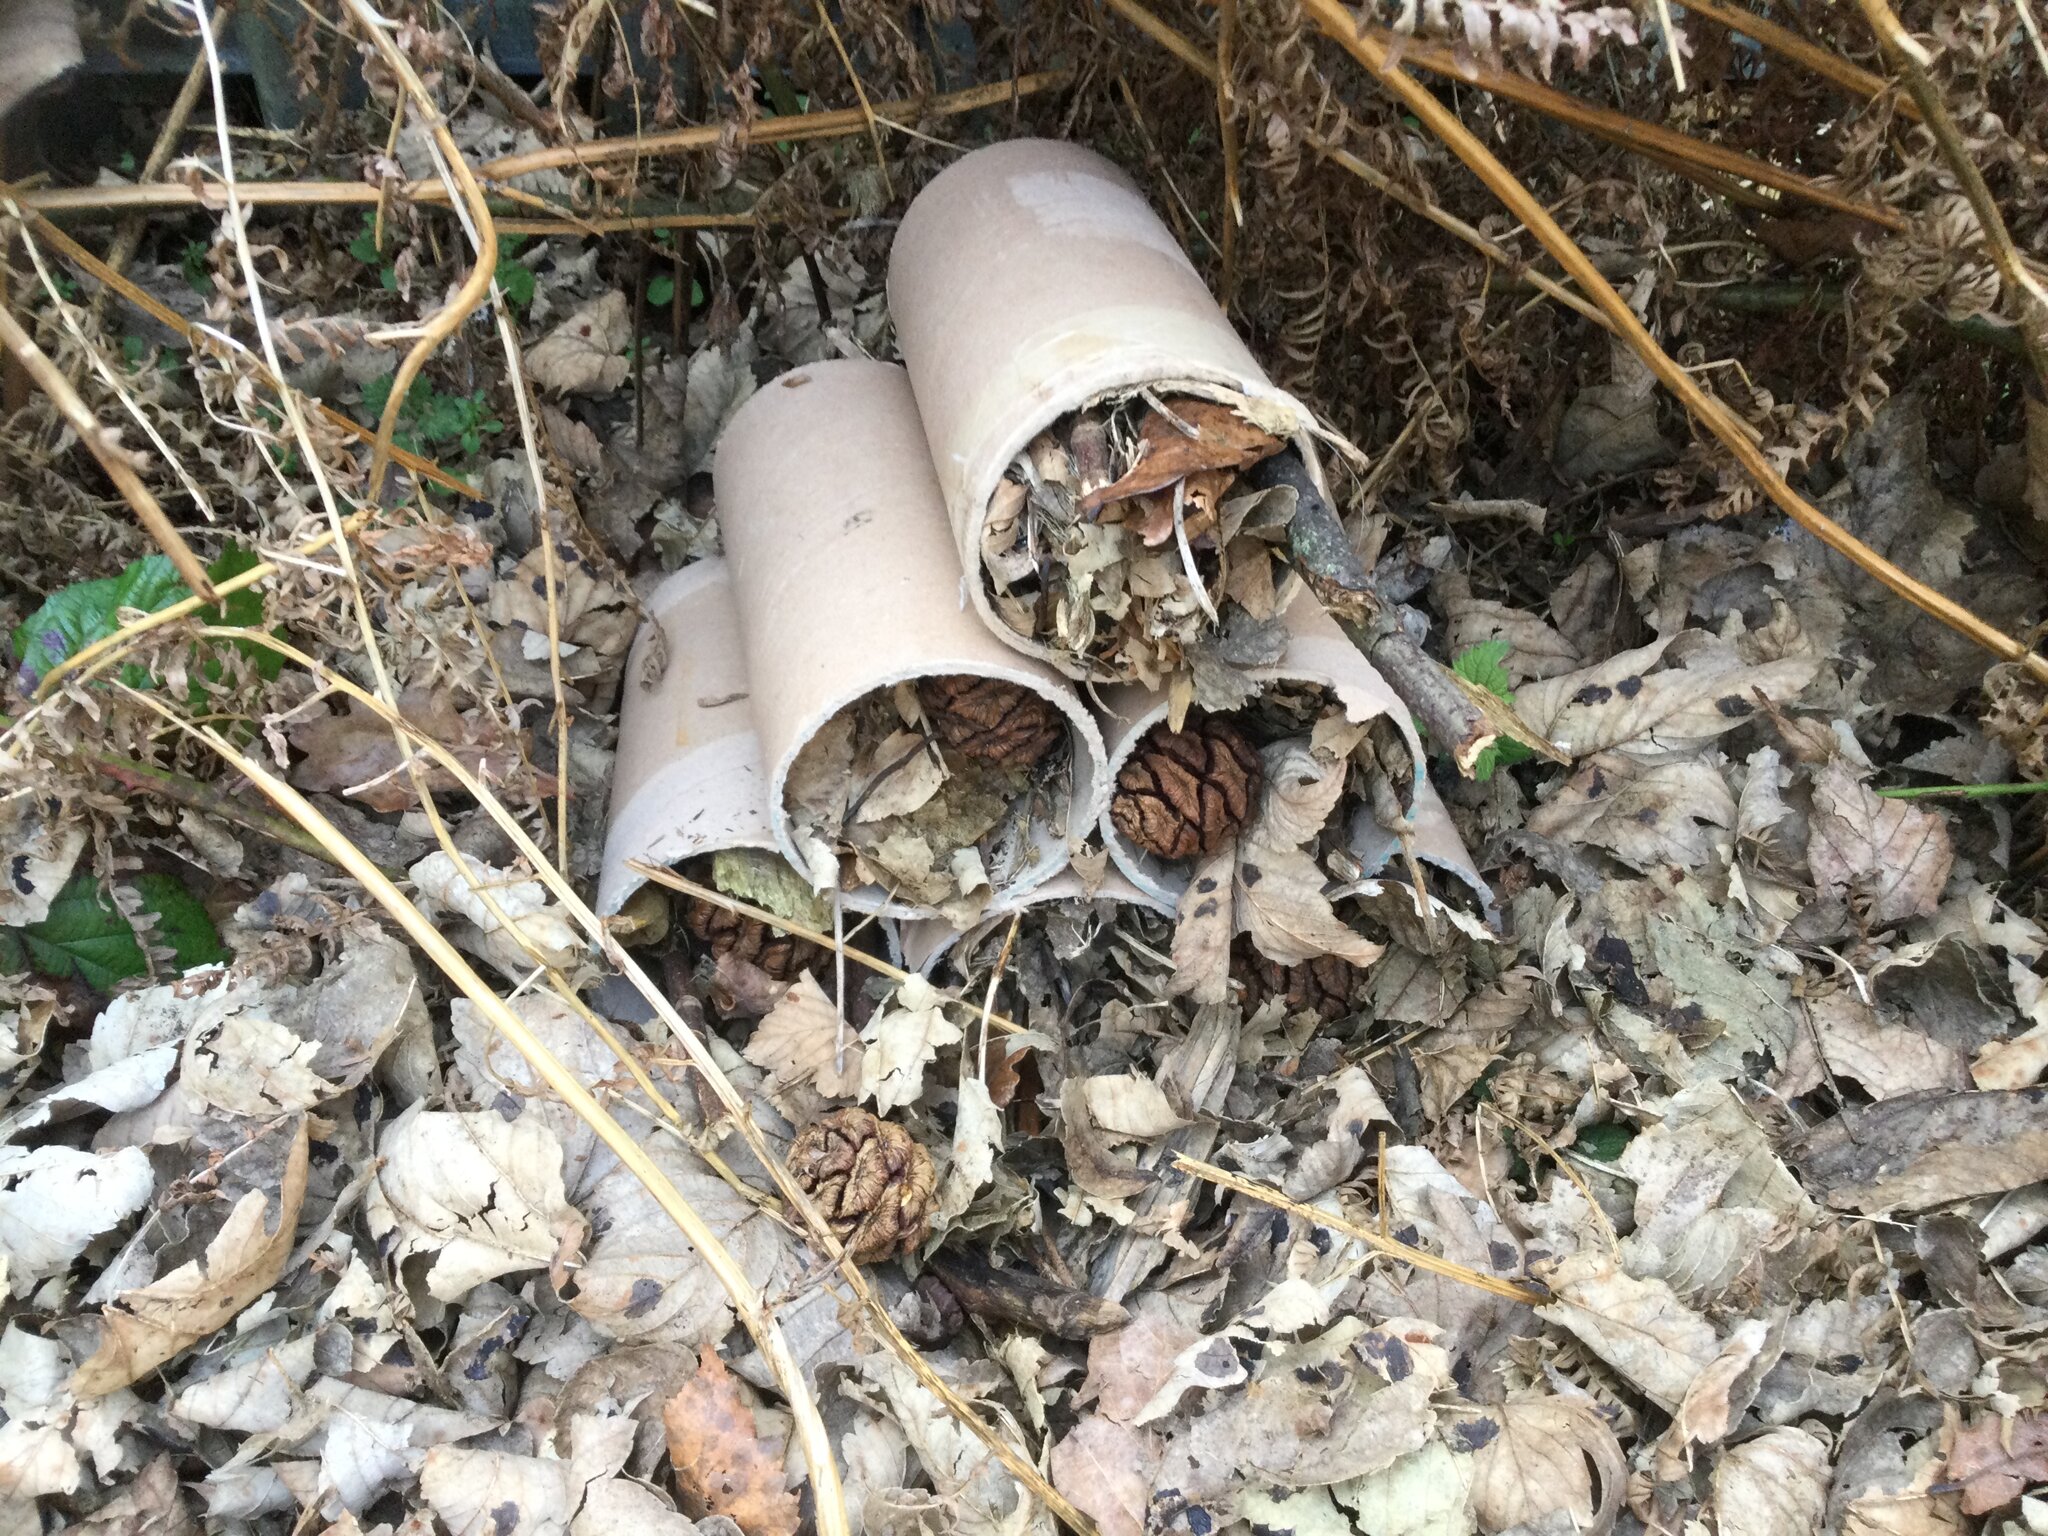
(990, 719)
(871, 1179)
(1323, 986)
(1182, 793)
(783, 956)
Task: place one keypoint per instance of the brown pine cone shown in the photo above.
(783, 956)
(990, 719)
(1322, 986)
(1182, 793)
(871, 1179)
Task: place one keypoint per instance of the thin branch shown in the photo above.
(1681, 151)
(141, 500)
(860, 93)
(1335, 21)
(1421, 1258)
(775, 130)
(2028, 297)
(1226, 131)
(1783, 41)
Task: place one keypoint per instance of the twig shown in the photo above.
(1671, 42)
(1226, 131)
(475, 288)
(206, 340)
(1421, 1258)
(798, 129)
(2025, 292)
(128, 238)
(1631, 133)
(1331, 16)
(1963, 791)
(860, 93)
(1850, 76)
(662, 875)
(141, 500)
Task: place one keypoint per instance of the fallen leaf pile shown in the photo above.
(1687, 1175)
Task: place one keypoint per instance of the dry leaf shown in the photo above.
(141, 1329)
(1645, 814)
(496, 1493)
(901, 1042)
(1537, 1457)
(1889, 856)
(1926, 1149)
(1774, 1485)
(585, 354)
(1107, 1471)
(1995, 1458)
(1201, 937)
(1224, 440)
(1637, 1326)
(722, 1464)
(803, 1042)
(483, 1196)
(1280, 903)
(55, 1200)
(1130, 1106)
(543, 937)
(249, 1066)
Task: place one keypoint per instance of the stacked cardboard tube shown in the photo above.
(1029, 281)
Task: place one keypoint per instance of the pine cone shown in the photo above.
(990, 719)
(1182, 793)
(871, 1179)
(784, 957)
(1323, 986)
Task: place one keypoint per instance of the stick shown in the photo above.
(1019, 1296)
(1851, 77)
(775, 130)
(1336, 22)
(78, 414)
(2027, 295)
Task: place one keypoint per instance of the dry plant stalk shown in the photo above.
(780, 130)
(1367, 48)
(141, 500)
(1785, 42)
(2028, 297)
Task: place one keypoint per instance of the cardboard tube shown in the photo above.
(688, 778)
(1030, 279)
(1318, 652)
(847, 582)
(929, 940)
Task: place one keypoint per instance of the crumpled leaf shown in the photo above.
(1611, 429)
(141, 1329)
(1645, 814)
(985, 1500)
(1223, 440)
(549, 937)
(52, 1435)
(483, 1196)
(250, 1066)
(355, 754)
(977, 1138)
(55, 1200)
(1889, 856)
(901, 1042)
(722, 1464)
(585, 354)
(1637, 1326)
(1280, 903)
(594, 619)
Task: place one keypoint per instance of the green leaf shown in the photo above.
(765, 879)
(84, 936)
(364, 246)
(1481, 664)
(1603, 1143)
(517, 282)
(74, 617)
(197, 273)
(662, 290)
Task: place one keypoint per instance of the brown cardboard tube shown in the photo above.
(688, 778)
(1031, 279)
(1318, 652)
(847, 581)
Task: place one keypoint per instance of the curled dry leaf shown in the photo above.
(484, 1197)
(543, 935)
(722, 1464)
(55, 1200)
(1888, 856)
(1637, 1326)
(141, 1329)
